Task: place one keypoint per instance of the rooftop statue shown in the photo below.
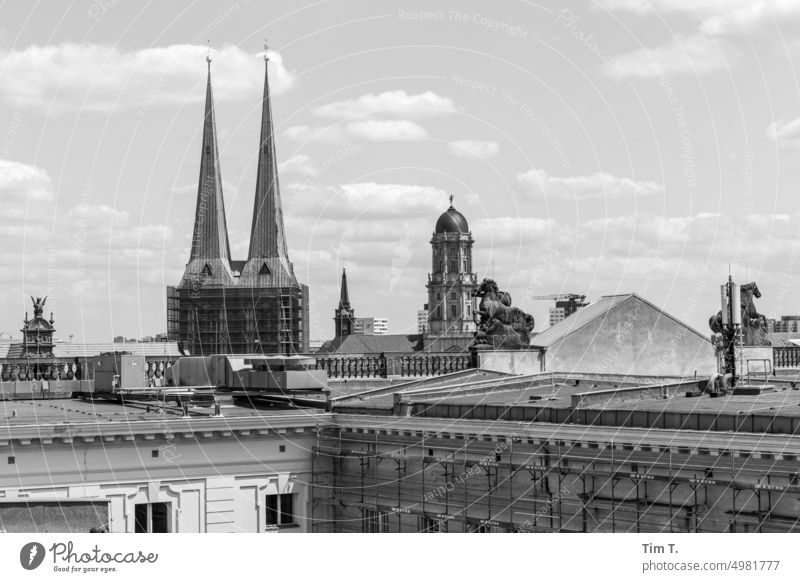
(38, 306)
(499, 324)
(754, 324)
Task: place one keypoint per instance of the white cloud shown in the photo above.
(785, 133)
(298, 164)
(306, 134)
(367, 130)
(474, 149)
(24, 182)
(697, 53)
(397, 103)
(717, 16)
(94, 77)
(357, 201)
(374, 130)
(597, 185)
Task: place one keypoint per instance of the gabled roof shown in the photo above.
(586, 315)
(373, 344)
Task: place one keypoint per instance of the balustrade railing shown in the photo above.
(384, 365)
(786, 357)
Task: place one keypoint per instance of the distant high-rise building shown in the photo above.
(238, 307)
(422, 319)
(381, 325)
(786, 324)
(370, 326)
(556, 315)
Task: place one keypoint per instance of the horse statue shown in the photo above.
(499, 324)
(754, 324)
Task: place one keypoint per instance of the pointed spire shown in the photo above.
(267, 236)
(344, 296)
(210, 234)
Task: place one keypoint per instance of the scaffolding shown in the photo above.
(246, 320)
(407, 482)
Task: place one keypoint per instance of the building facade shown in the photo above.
(238, 306)
(786, 324)
(371, 326)
(451, 284)
(422, 319)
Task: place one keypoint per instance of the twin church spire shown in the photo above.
(267, 264)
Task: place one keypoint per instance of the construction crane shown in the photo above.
(570, 302)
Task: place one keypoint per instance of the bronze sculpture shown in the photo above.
(754, 324)
(499, 324)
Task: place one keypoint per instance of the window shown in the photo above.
(478, 528)
(373, 521)
(464, 266)
(453, 310)
(151, 518)
(429, 524)
(453, 295)
(280, 509)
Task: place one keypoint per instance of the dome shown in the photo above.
(452, 221)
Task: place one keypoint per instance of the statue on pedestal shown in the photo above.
(754, 324)
(500, 326)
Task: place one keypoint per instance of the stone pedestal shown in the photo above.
(760, 362)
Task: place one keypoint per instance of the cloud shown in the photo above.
(298, 164)
(474, 149)
(357, 201)
(397, 103)
(367, 130)
(682, 54)
(24, 182)
(538, 184)
(373, 130)
(718, 17)
(785, 133)
(95, 77)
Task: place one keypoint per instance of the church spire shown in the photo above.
(210, 234)
(210, 255)
(344, 296)
(267, 236)
(268, 258)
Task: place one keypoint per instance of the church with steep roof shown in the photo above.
(226, 306)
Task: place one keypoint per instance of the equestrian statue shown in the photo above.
(754, 324)
(499, 324)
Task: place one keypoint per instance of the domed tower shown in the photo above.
(451, 284)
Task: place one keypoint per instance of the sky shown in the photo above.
(610, 147)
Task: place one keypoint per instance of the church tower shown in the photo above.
(344, 315)
(451, 284)
(226, 306)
